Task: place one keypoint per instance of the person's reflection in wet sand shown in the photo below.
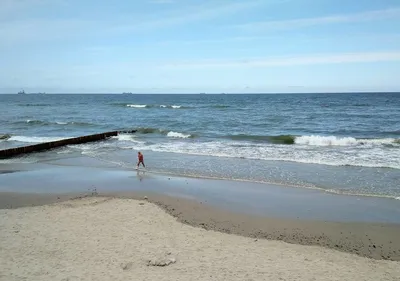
(140, 175)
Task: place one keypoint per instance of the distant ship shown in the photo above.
(125, 93)
(21, 92)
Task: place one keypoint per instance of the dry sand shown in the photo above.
(372, 240)
(124, 239)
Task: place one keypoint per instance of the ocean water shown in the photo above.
(344, 143)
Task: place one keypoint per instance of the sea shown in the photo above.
(346, 143)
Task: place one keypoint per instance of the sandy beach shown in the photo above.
(199, 140)
(101, 238)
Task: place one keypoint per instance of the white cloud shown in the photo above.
(290, 60)
(334, 19)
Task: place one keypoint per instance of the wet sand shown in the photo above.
(103, 238)
(365, 226)
(240, 197)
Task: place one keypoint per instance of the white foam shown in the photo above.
(127, 137)
(83, 146)
(57, 122)
(34, 139)
(136, 105)
(337, 141)
(177, 135)
(397, 198)
(64, 151)
(171, 106)
(122, 137)
(365, 156)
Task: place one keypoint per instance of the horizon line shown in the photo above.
(209, 93)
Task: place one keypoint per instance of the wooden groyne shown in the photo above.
(11, 152)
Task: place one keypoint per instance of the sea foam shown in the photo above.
(316, 140)
(178, 135)
(34, 139)
(137, 105)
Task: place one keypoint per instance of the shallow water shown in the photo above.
(345, 143)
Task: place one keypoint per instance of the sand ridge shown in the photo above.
(99, 238)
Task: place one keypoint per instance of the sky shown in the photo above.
(193, 46)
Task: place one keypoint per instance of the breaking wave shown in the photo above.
(376, 157)
(168, 133)
(168, 106)
(315, 140)
(138, 105)
(5, 136)
(34, 122)
(311, 140)
(178, 135)
(41, 122)
(172, 106)
(27, 139)
(155, 106)
(127, 137)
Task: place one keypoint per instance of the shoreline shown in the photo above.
(82, 175)
(285, 185)
(104, 165)
(342, 180)
(365, 226)
(378, 241)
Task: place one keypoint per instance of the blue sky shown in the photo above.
(196, 46)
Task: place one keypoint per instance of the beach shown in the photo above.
(105, 238)
(366, 226)
(257, 195)
(268, 133)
